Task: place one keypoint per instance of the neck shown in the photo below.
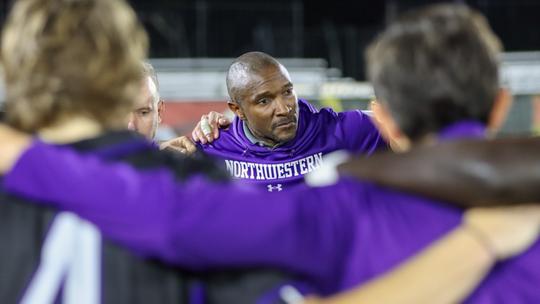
(257, 139)
(70, 129)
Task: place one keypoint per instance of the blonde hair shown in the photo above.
(150, 73)
(65, 57)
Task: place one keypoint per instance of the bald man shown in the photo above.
(276, 138)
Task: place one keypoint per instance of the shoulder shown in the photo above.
(306, 106)
(180, 165)
(230, 144)
(328, 115)
(311, 114)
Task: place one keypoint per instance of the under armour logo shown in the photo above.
(272, 188)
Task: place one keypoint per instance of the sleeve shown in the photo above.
(196, 224)
(359, 134)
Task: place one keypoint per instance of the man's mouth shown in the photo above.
(285, 123)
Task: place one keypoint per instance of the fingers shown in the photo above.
(206, 128)
(181, 144)
(224, 122)
(197, 134)
(176, 149)
(189, 146)
(218, 120)
(214, 123)
(201, 129)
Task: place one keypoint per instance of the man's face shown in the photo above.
(146, 116)
(268, 104)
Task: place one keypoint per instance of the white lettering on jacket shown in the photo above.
(274, 171)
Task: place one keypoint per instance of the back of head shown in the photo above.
(66, 57)
(241, 69)
(436, 66)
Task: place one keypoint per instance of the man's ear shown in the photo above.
(500, 109)
(388, 127)
(236, 109)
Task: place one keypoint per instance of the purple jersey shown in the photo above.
(319, 133)
(335, 237)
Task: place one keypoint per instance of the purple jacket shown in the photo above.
(336, 237)
(319, 133)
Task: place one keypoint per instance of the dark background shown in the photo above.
(335, 30)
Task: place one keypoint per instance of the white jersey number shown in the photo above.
(71, 255)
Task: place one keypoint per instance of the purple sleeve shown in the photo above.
(195, 223)
(359, 133)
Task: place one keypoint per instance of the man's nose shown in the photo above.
(283, 107)
(131, 122)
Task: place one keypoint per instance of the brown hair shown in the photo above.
(63, 57)
(435, 66)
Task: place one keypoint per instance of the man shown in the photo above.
(146, 116)
(275, 138)
(334, 237)
(72, 70)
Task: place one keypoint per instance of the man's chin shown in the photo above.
(284, 138)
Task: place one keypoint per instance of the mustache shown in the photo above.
(284, 121)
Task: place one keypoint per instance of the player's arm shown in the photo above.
(468, 173)
(206, 130)
(193, 223)
(450, 269)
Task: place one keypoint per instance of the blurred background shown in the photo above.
(320, 42)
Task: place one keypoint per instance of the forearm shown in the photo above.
(111, 199)
(196, 223)
(468, 173)
(446, 272)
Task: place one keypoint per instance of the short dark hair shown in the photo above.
(248, 63)
(435, 66)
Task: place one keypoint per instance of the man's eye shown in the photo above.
(144, 112)
(288, 92)
(263, 101)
